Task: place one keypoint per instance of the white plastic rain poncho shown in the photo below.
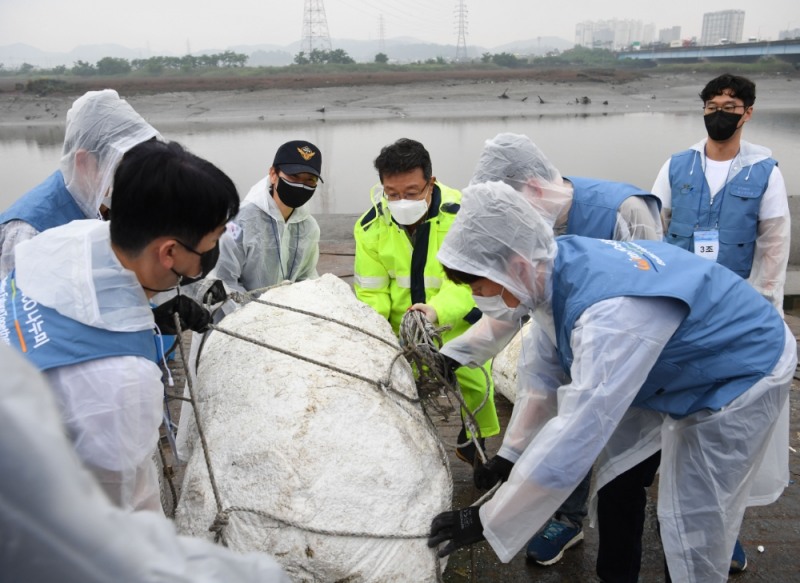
(773, 237)
(99, 124)
(106, 126)
(111, 406)
(517, 161)
(261, 249)
(561, 423)
(58, 525)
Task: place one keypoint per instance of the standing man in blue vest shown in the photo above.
(588, 207)
(76, 306)
(101, 127)
(624, 326)
(725, 199)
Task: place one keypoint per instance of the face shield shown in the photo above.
(498, 235)
(517, 161)
(101, 127)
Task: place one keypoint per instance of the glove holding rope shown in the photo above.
(193, 316)
(495, 470)
(460, 527)
(450, 366)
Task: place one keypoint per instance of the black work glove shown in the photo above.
(450, 366)
(193, 315)
(495, 470)
(461, 527)
(215, 293)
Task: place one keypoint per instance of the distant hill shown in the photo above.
(399, 50)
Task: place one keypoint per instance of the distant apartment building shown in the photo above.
(792, 34)
(723, 26)
(613, 34)
(667, 35)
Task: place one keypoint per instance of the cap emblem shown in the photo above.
(306, 152)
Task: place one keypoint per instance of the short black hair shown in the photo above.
(460, 277)
(403, 156)
(740, 87)
(163, 190)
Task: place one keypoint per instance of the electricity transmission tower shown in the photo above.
(461, 23)
(381, 35)
(315, 28)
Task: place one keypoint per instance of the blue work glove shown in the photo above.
(495, 470)
(461, 527)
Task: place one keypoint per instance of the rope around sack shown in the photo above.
(221, 519)
(421, 342)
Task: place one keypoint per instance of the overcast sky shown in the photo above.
(170, 26)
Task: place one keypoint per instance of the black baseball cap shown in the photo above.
(299, 156)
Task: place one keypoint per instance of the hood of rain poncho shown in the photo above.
(102, 123)
(73, 270)
(748, 155)
(498, 235)
(517, 161)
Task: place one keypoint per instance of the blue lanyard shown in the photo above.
(720, 195)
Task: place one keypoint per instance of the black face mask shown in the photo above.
(207, 262)
(294, 195)
(721, 125)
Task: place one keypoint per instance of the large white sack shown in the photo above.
(316, 448)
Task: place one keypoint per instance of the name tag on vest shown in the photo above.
(706, 243)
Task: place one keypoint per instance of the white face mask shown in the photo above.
(495, 307)
(408, 212)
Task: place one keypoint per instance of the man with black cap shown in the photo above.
(274, 237)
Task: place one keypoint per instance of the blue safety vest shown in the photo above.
(730, 338)
(45, 206)
(50, 340)
(734, 210)
(595, 204)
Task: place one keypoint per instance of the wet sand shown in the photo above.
(421, 99)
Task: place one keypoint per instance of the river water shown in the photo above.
(624, 147)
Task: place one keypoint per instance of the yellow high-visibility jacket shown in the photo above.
(391, 274)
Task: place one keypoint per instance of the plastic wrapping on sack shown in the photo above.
(309, 456)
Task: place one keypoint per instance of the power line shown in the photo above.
(400, 15)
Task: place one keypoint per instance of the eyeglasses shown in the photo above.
(709, 108)
(411, 195)
(305, 178)
(188, 247)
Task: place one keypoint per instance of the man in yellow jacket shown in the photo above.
(396, 266)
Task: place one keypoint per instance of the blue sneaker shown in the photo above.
(548, 545)
(739, 559)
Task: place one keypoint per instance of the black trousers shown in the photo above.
(620, 516)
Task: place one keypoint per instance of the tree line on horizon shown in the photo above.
(576, 57)
(157, 65)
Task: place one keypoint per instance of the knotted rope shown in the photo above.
(421, 342)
